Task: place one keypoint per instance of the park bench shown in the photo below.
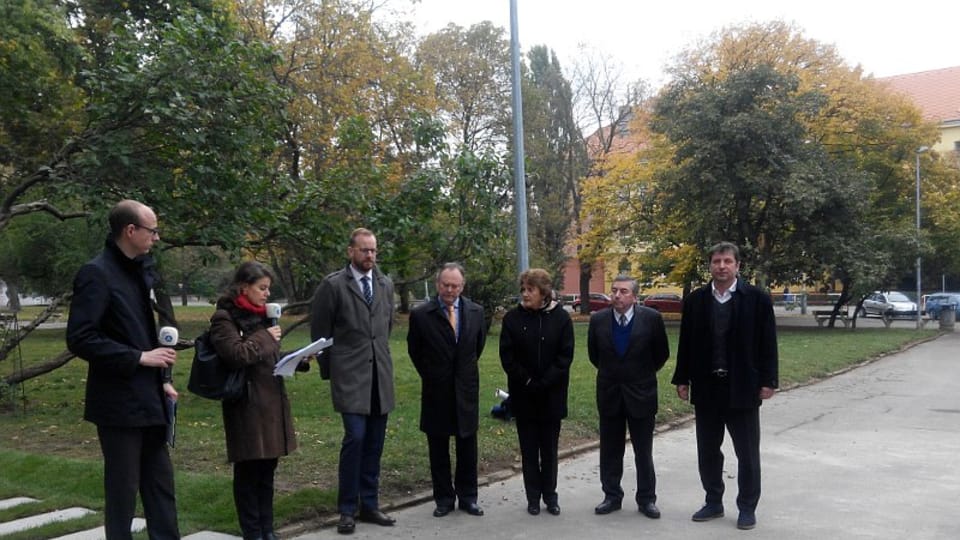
(823, 315)
(888, 320)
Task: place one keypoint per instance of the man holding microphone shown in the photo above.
(112, 327)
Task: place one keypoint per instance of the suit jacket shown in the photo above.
(751, 344)
(361, 340)
(536, 350)
(628, 383)
(450, 378)
(111, 323)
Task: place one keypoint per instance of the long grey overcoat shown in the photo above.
(361, 340)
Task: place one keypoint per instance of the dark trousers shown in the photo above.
(136, 459)
(713, 414)
(253, 495)
(612, 445)
(360, 454)
(463, 485)
(538, 453)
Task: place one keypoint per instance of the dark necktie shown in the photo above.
(367, 291)
(623, 320)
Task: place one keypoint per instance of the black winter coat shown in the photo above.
(111, 323)
(751, 344)
(450, 387)
(536, 350)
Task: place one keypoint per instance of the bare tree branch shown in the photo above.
(18, 377)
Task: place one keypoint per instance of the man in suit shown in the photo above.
(354, 306)
(445, 341)
(628, 345)
(111, 326)
(726, 366)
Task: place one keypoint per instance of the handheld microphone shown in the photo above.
(273, 314)
(169, 336)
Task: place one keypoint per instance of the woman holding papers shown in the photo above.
(259, 427)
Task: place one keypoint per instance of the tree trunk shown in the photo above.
(586, 273)
(13, 297)
(18, 377)
(13, 341)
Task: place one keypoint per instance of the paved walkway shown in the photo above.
(866, 454)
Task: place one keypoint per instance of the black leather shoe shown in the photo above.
(346, 525)
(270, 536)
(442, 511)
(377, 517)
(553, 509)
(708, 512)
(607, 506)
(472, 508)
(533, 509)
(650, 510)
(747, 520)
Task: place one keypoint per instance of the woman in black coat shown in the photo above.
(259, 427)
(536, 350)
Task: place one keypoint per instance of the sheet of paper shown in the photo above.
(288, 364)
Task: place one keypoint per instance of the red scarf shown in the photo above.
(243, 303)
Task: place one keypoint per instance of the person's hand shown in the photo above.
(170, 391)
(160, 357)
(683, 392)
(275, 332)
(766, 392)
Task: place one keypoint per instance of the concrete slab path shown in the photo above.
(866, 454)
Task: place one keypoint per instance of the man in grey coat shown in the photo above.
(445, 341)
(354, 306)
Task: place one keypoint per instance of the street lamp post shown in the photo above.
(920, 150)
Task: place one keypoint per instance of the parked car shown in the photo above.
(598, 301)
(893, 304)
(936, 302)
(664, 302)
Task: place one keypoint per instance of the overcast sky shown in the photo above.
(885, 38)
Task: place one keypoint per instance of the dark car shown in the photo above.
(598, 301)
(937, 301)
(664, 302)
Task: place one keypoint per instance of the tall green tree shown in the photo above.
(471, 70)
(556, 158)
(164, 102)
(769, 139)
(353, 138)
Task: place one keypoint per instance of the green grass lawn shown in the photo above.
(48, 452)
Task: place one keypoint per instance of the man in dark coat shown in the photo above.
(445, 341)
(354, 306)
(111, 326)
(628, 345)
(726, 365)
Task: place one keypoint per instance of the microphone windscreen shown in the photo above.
(169, 336)
(273, 311)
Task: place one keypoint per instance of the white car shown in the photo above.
(893, 304)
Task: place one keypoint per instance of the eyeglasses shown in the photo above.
(154, 232)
